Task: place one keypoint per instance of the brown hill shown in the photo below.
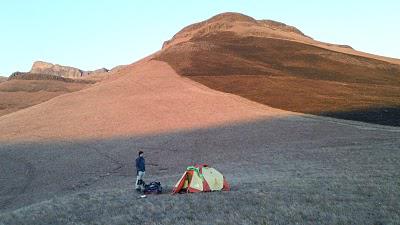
(40, 67)
(277, 65)
(245, 26)
(2, 79)
(24, 90)
(142, 98)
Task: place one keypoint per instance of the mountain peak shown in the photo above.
(231, 17)
(240, 25)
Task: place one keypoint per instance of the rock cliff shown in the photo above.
(40, 67)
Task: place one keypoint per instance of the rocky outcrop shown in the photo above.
(40, 67)
(40, 76)
(102, 70)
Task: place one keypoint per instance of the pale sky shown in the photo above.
(90, 34)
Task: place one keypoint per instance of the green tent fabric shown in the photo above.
(196, 170)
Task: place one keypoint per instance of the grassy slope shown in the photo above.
(332, 185)
(20, 94)
(284, 171)
(291, 76)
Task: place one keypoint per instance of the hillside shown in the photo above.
(2, 79)
(142, 98)
(23, 90)
(277, 65)
(71, 158)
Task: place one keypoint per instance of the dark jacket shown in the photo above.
(140, 164)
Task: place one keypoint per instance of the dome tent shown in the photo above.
(201, 178)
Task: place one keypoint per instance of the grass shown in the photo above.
(356, 185)
(283, 171)
(294, 202)
(18, 94)
(291, 76)
(362, 102)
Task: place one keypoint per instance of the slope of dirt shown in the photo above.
(284, 72)
(19, 94)
(2, 79)
(145, 97)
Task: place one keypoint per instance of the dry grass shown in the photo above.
(328, 174)
(354, 101)
(19, 94)
(291, 75)
(343, 199)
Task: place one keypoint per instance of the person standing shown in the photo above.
(140, 171)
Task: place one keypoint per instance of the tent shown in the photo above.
(201, 178)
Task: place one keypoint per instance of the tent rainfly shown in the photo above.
(201, 178)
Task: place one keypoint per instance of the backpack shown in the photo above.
(153, 188)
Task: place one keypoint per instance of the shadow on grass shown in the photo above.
(389, 116)
(282, 170)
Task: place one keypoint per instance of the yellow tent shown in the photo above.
(200, 178)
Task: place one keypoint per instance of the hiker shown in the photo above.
(140, 171)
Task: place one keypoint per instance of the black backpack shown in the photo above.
(153, 188)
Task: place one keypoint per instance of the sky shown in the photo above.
(91, 34)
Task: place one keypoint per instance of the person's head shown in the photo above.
(141, 153)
